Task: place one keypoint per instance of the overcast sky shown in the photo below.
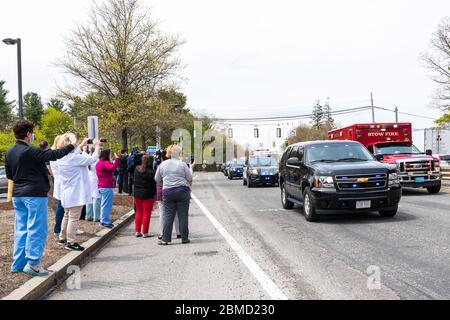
(258, 58)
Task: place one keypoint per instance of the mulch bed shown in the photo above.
(9, 282)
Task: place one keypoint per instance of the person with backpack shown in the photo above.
(131, 167)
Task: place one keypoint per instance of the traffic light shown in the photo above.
(278, 133)
(257, 133)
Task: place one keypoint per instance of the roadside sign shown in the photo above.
(93, 132)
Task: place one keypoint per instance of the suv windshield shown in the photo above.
(337, 152)
(393, 149)
(263, 162)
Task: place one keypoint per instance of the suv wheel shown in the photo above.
(288, 205)
(435, 189)
(388, 214)
(309, 208)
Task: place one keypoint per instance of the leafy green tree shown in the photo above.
(5, 107)
(7, 140)
(55, 122)
(33, 108)
(328, 119)
(56, 104)
(317, 116)
(444, 121)
(121, 54)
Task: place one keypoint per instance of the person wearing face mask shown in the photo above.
(25, 166)
(75, 188)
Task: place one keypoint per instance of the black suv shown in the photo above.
(337, 176)
(261, 170)
(236, 169)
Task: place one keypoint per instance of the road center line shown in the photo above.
(269, 286)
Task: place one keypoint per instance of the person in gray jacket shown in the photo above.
(176, 179)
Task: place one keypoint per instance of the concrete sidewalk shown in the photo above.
(133, 269)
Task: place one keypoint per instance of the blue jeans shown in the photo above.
(30, 231)
(107, 197)
(93, 210)
(59, 217)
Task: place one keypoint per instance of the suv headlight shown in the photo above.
(393, 178)
(323, 182)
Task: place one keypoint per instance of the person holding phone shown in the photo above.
(105, 170)
(26, 166)
(75, 188)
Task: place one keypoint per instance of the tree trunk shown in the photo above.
(125, 139)
(143, 143)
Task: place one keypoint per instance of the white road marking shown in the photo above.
(269, 286)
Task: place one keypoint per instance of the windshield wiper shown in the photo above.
(323, 160)
(351, 159)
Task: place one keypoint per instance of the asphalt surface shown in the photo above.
(331, 259)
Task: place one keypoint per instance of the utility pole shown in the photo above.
(18, 42)
(396, 114)
(158, 137)
(373, 107)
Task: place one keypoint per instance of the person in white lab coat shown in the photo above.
(75, 187)
(93, 210)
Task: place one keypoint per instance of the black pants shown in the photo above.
(123, 182)
(177, 203)
(130, 184)
(83, 213)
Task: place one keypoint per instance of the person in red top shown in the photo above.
(105, 170)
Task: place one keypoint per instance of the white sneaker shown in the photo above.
(80, 232)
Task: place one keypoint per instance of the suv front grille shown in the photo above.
(419, 166)
(375, 181)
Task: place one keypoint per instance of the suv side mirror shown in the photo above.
(294, 162)
(429, 152)
(379, 157)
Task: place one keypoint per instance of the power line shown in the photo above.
(297, 117)
(406, 113)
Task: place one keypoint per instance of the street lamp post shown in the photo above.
(18, 42)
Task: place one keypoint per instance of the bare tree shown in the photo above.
(438, 62)
(121, 54)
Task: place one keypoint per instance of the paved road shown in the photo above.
(326, 260)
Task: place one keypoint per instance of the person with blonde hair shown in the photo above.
(59, 210)
(159, 198)
(176, 178)
(75, 187)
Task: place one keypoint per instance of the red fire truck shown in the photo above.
(392, 143)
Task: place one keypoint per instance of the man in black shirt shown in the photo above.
(26, 166)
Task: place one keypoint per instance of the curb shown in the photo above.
(36, 288)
